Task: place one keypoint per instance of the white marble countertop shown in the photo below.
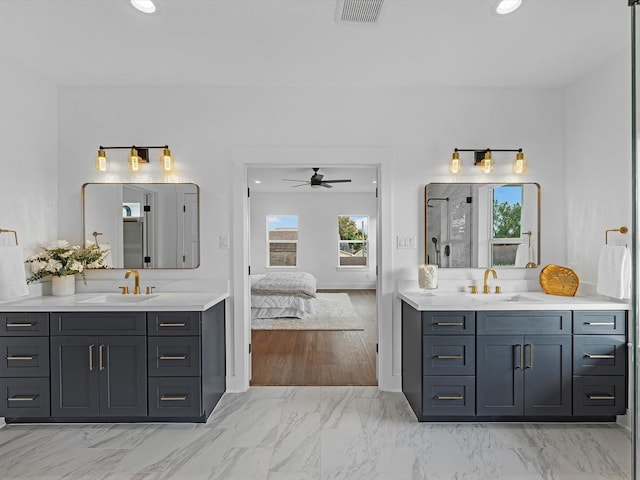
(504, 301)
(115, 302)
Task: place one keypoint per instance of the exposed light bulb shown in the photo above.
(167, 160)
(145, 6)
(508, 6)
(134, 161)
(520, 164)
(455, 164)
(487, 164)
(101, 161)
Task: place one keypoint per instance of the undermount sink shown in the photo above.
(118, 298)
(502, 298)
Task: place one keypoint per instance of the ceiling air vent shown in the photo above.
(359, 11)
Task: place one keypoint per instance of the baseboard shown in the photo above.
(346, 286)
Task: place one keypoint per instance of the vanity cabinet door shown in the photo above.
(74, 377)
(499, 375)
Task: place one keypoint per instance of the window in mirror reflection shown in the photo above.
(506, 221)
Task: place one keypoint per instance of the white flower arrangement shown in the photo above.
(59, 259)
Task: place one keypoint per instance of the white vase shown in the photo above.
(65, 285)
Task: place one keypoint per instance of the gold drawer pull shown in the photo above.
(30, 398)
(601, 397)
(9, 325)
(450, 397)
(177, 357)
(588, 355)
(183, 324)
(449, 324)
(450, 357)
(601, 324)
(180, 398)
(20, 358)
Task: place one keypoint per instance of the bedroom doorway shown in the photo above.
(331, 233)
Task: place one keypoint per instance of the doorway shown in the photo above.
(325, 347)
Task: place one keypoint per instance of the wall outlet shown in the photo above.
(224, 241)
(406, 242)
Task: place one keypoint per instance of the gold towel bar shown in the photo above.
(15, 234)
(622, 230)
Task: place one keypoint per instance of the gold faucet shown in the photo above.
(486, 278)
(136, 277)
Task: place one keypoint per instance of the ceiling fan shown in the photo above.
(317, 181)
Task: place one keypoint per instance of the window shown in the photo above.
(353, 243)
(282, 240)
(506, 221)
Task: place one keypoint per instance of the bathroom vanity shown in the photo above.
(112, 358)
(513, 357)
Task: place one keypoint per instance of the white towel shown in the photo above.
(13, 281)
(523, 255)
(614, 271)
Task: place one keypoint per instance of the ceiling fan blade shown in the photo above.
(290, 180)
(301, 185)
(326, 185)
(338, 181)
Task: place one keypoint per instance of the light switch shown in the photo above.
(224, 241)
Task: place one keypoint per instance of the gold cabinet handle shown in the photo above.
(183, 324)
(601, 324)
(176, 398)
(601, 397)
(450, 357)
(12, 357)
(588, 355)
(25, 398)
(518, 357)
(449, 324)
(177, 357)
(91, 357)
(450, 397)
(100, 362)
(16, 325)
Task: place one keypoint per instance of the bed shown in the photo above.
(282, 294)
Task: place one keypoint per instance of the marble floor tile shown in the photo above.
(315, 433)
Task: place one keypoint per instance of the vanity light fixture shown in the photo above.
(484, 159)
(137, 156)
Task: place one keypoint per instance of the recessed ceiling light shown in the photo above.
(257, 181)
(145, 6)
(508, 6)
(374, 181)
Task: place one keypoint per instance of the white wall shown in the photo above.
(317, 233)
(28, 165)
(598, 164)
(421, 127)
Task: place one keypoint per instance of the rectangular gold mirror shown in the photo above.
(482, 225)
(144, 225)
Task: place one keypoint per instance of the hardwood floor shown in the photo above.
(319, 358)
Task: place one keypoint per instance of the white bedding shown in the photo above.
(279, 306)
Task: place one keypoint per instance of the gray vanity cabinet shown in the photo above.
(99, 375)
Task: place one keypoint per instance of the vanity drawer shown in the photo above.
(599, 322)
(599, 395)
(448, 396)
(446, 323)
(448, 355)
(22, 324)
(174, 356)
(98, 323)
(599, 355)
(24, 357)
(175, 397)
(522, 323)
(173, 323)
(24, 397)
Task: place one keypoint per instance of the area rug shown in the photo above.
(334, 311)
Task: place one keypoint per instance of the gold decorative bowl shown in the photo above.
(557, 280)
